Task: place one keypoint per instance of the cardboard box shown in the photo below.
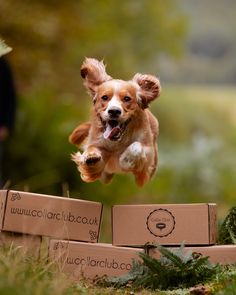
(90, 261)
(28, 243)
(223, 254)
(137, 225)
(43, 215)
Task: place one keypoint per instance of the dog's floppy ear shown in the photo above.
(150, 88)
(94, 73)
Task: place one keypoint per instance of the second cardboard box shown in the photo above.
(137, 225)
(90, 261)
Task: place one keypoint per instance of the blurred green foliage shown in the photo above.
(51, 38)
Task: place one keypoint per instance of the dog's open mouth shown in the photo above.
(113, 129)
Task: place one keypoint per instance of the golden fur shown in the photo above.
(122, 133)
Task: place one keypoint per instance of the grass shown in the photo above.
(21, 274)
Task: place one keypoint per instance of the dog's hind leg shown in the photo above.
(141, 178)
(140, 160)
(80, 133)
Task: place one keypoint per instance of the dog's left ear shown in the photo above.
(94, 74)
(150, 88)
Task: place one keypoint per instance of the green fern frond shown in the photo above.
(232, 235)
(172, 257)
(136, 271)
(227, 232)
(153, 265)
(201, 261)
(172, 270)
(183, 254)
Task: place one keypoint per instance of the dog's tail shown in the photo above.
(79, 135)
(155, 132)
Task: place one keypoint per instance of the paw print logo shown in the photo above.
(59, 245)
(56, 246)
(15, 197)
(93, 235)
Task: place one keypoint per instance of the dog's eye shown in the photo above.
(104, 97)
(127, 98)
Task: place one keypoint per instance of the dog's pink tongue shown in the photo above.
(111, 132)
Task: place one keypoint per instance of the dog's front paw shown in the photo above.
(92, 159)
(133, 157)
(77, 158)
(87, 158)
(90, 164)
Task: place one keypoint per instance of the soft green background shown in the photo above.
(190, 45)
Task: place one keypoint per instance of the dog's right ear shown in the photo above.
(94, 74)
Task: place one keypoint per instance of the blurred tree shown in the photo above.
(210, 47)
(51, 38)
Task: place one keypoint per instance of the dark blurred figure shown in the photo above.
(7, 108)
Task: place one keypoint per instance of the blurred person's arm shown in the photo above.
(7, 100)
(4, 133)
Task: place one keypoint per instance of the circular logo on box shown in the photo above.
(161, 222)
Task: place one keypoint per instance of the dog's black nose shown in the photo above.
(114, 112)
